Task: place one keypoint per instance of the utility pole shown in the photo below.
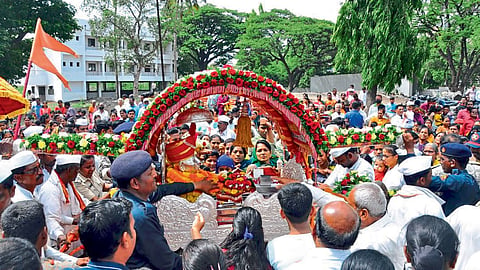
(160, 41)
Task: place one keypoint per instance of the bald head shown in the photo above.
(337, 225)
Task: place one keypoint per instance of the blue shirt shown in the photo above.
(458, 188)
(355, 119)
(94, 265)
(391, 107)
(152, 249)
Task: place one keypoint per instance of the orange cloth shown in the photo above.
(38, 57)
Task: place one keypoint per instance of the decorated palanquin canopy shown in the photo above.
(299, 131)
(12, 103)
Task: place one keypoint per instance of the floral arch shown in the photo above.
(300, 132)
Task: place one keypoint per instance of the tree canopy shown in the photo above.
(452, 29)
(18, 18)
(286, 47)
(378, 36)
(209, 34)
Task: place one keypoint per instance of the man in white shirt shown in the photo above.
(377, 231)
(348, 160)
(373, 109)
(104, 115)
(336, 229)
(338, 111)
(27, 173)
(296, 203)
(363, 96)
(400, 118)
(223, 129)
(61, 201)
(415, 199)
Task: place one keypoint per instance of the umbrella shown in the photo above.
(12, 103)
(124, 127)
(193, 115)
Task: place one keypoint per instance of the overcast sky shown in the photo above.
(321, 9)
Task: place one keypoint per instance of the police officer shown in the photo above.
(459, 187)
(135, 176)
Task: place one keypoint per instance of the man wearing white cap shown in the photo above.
(348, 160)
(61, 201)
(415, 199)
(27, 173)
(81, 125)
(223, 129)
(7, 188)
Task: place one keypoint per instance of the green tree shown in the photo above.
(127, 21)
(378, 36)
(285, 47)
(453, 29)
(209, 34)
(19, 18)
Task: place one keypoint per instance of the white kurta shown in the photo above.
(362, 167)
(465, 221)
(285, 250)
(473, 262)
(393, 179)
(382, 236)
(22, 194)
(322, 258)
(58, 213)
(411, 202)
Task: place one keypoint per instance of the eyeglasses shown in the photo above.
(32, 171)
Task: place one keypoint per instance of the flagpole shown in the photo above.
(19, 117)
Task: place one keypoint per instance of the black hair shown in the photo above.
(123, 110)
(356, 105)
(229, 140)
(102, 224)
(424, 126)
(201, 254)
(264, 142)
(131, 110)
(367, 259)
(43, 119)
(243, 149)
(213, 153)
(246, 249)
(184, 126)
(216, 136)
(24, 219)
(101, 125)
(431, 243)
(450, 138)
(332, 239)
(62, 168)
(18, 254)
(173, 131)
(381, 107)
(85, 158)
(204, 135)
(296, 202)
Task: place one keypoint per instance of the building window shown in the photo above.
(77, 38)
(50, 91)
(148, 68)
(92, 86)
(64, 64)
(147, 46)
(78, 64)
(91, 42)
(92, 67)
(71, 64)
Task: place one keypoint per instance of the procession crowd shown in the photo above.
(420, 210)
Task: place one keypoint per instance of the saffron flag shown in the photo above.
(37, 56)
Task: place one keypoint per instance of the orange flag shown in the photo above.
(38, 57)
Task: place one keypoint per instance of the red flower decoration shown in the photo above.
(183, 83)
(146, 113)
(141, 133)
(253, 76)
(190, 85)
(157, 100)
(200, 77)
(289, 103)
(52, 145)
(176, 98)
(162, 108)
(246, 84)
(269, 81)
(269, 90)
(146, 127)
(171, 90)
(92, 145)
(139, 143)
(341, 139)
(221, 82)
(152, 121)
(34, 145)
(276, 93)
(254, 84)
(344, 182)
(261, 78)
(381, 136)
(356, 137)
(239, 82)
(182, 92)
(232, 71)
(214, 74)
(230, 80)
(368, 137)
(293, 109)
(164, 95)
(111, 144)
(168, 102)
(71, 144)
(282, 97)
(213, 82)
(223, 72)
(206, 85)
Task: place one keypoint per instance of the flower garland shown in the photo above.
(223, 77)
(349, 181)
(233, 185)
(367, 136)
(85, 144)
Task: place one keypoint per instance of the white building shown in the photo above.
(89, 75)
